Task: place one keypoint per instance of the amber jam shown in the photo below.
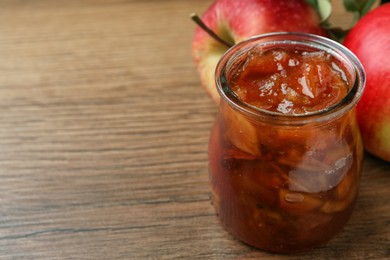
(285, 152)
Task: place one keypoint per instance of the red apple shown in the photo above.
(235, 21)
(369, 39)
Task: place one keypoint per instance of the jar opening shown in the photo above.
(238, 54)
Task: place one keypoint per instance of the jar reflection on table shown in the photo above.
(284, 184)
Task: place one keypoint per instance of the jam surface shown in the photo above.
(290, 81)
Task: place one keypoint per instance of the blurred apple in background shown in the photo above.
(235, 21)
(369, 39)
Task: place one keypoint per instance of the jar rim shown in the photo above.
(293, 38)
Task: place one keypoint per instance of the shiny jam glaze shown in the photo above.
(290, 81)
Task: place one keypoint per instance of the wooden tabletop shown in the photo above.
(103, 137)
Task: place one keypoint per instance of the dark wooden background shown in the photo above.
(103, 139)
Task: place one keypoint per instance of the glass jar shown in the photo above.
(285, 183)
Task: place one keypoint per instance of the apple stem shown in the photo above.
(202, 25)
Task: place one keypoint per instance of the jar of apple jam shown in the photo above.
(285, 152)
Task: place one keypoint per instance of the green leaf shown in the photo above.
(313, 3)
(352, 5)
(367, 7)
(324, 9)
(360, 6)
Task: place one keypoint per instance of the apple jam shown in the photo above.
(285, 152)
(289, 81)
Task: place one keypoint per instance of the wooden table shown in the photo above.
(103, 137)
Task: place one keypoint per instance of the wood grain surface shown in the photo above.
(103, 137)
